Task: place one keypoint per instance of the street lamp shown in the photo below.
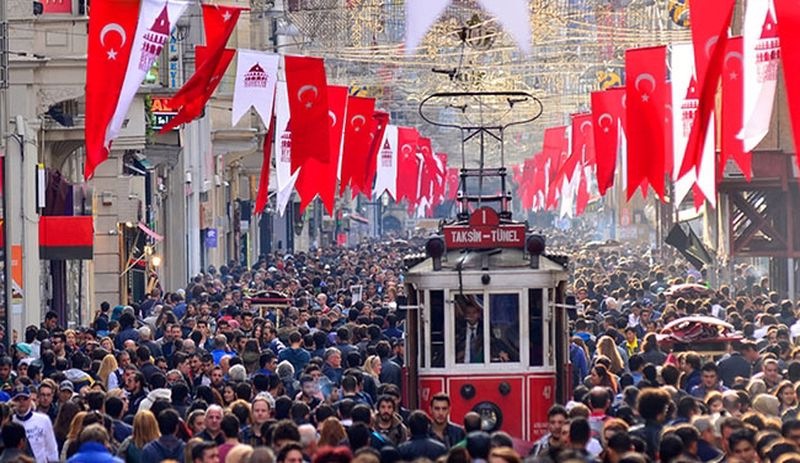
(155, 261)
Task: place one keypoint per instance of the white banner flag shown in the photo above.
(685, 100)
(761, 58)
(283, 148)
(256, 76)
(157, 20)
(386, 173)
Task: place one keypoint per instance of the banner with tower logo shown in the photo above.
(256, 75)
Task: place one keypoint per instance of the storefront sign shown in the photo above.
(162, 112)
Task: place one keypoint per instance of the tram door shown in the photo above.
(561, 344)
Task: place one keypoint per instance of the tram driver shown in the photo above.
(469, 334)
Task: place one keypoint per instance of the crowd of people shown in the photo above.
(205, 374)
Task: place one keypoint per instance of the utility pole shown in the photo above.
(3, 145)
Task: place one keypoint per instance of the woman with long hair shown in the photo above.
(607, 347)
(105, 374)
(600, 376)
(61, 427)
(787, 397)
(651, 353)
(145, 430)
(228, 395)
(75, 428)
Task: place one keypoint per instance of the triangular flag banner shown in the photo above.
(211, 62)
(732, 108)
(685, 102)
(709, 25)
(607, 112)
(307, 87)
(386, 171)
(789, 17)
(515, 17)
(157, 19)
(646, 70)
(263, 182)
(420, 16)
(256, 76)
(762, 52)
(319, 177)
(283, 149)
(111, 27)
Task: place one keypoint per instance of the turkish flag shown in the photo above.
(211, 62)
(607, 115)
(319, 177)
(583, 138)
(441, 174)
(263, 182)
(357, 140)
(407, 164)
(710, 21)
(308, 104)
(789, 33)
(193, 101)
(554, 149)
(732, 110)
(427, 169)
(582, 198)
(646, 70)
(112, 26)
(363, 184)
(452, 183)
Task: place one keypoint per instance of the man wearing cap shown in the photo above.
(38, 427)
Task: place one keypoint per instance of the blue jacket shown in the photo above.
(299, 358)
(93, 452)
(164, 448)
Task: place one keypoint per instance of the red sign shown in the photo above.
(56, 6)
(484, 230)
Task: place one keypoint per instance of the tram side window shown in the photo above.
(423, 339)
(437, 328)
(469, 328)
(504, 327)
(536, 332)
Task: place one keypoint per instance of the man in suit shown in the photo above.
(469, 330)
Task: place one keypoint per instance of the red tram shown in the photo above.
(487, 321)
(487, 325)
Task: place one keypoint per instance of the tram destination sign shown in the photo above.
(484, 231)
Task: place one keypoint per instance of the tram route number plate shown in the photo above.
(484, 230)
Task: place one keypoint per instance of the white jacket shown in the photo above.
(39, 431)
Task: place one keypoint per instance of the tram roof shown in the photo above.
(495, 259)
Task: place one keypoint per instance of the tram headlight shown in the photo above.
(435, 249)
(491, 416)
(535, 246)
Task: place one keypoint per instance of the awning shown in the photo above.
(150, 232)
(66, 237)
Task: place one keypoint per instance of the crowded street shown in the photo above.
(385, 231)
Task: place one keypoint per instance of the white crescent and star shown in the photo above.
(303, 90)
(404, 150)
(584, 124)
(709, 44)
(113, 27)
(733, 55)
(333, 118)
(649, 78)
(355, 118)
(603, 117)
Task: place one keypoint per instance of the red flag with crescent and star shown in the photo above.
(607, 114)
(407, 164)
(357, 140)
(452, 183)
(363, 184)
(111, 29)
(319, 177)
(583, 138)
(709, 24)
(731, 147)
(211, 62)
(646, 70)
(308, 103)
(554, 150)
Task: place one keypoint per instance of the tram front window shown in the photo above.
(469, 328)
(504, 327)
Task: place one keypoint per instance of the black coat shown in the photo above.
(732, 366)
(421, 446)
